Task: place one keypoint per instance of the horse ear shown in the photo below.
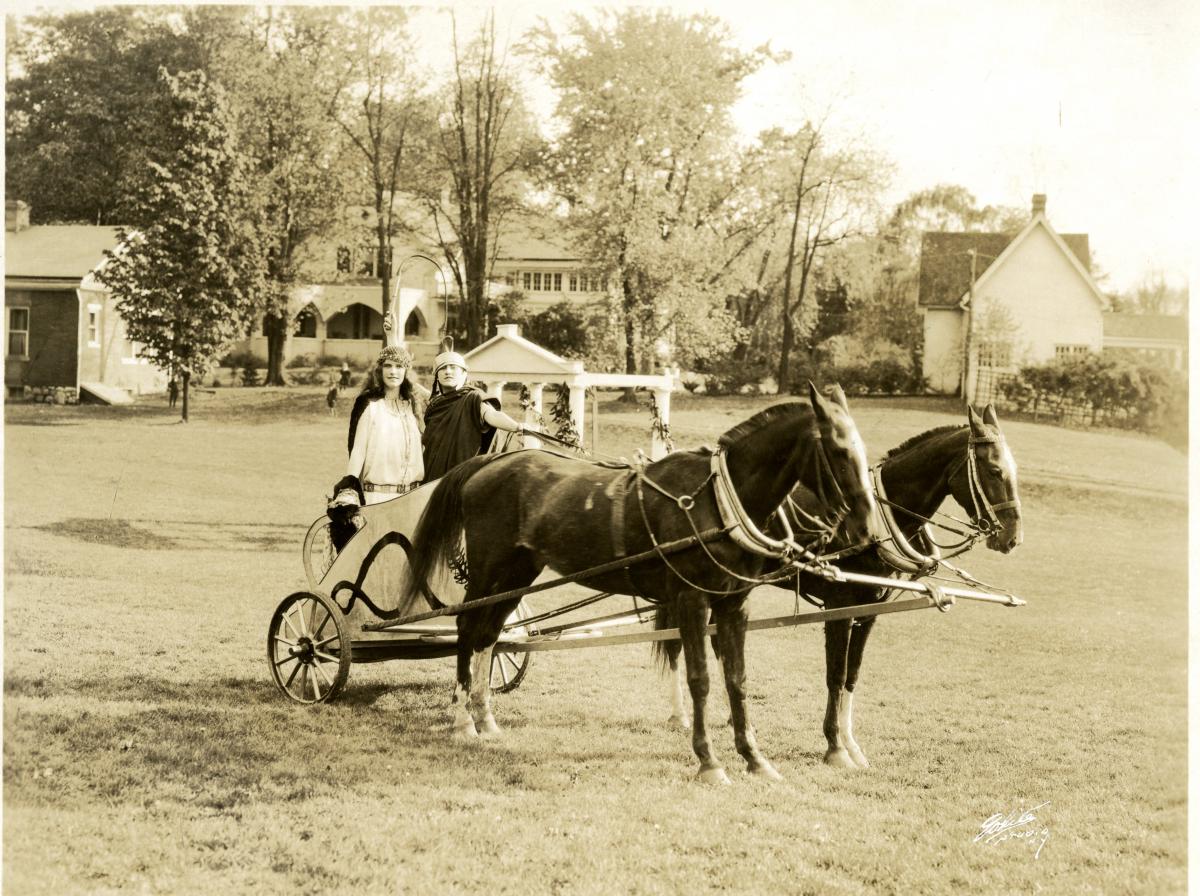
(820, 408)
(976, 423)
(989, 415)
(839, 396)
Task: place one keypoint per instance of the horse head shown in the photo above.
(986, 485)
(846, 457)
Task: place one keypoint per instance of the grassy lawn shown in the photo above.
(146, 749)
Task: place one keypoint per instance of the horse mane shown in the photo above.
(762, 418)
(921, 437)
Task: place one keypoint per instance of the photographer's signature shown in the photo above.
(1019, 824)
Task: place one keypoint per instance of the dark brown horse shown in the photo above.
(523, 512)
(970, 463)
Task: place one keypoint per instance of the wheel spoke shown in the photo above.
(287, 659)
(329, 640)
(316, 685)
(292, 677)
(320, 668)
(284, 618)
(316, 635)
(325, 657)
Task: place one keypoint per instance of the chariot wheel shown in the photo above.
(308, 648)
(318, 552)
(508, 669)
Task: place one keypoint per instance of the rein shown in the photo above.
(741, 529)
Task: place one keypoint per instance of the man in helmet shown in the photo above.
(460, 420)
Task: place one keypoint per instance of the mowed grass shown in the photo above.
(146, 750)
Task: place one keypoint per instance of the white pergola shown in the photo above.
(508, 357)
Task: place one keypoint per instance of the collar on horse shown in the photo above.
(898, 552)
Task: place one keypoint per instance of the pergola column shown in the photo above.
(495, 388)
(578, 405)
(662, 400)
(533, 413)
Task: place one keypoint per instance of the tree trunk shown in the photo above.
(276, 328)
(789, 332)
(187, 378)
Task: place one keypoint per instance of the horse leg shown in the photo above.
(837, 645)
(859, 632)
(463, 726)
(693, 620)
(731, 634)
(679, 713)
(481, 669)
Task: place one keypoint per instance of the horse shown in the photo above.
(971, 463)
(520, 513)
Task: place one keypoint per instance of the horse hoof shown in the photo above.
(465, 732)
(839, 759)
(679, 722)
(860, 759)
(489, 728)
(766, 771)
(713, 776)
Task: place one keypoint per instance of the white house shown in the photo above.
(995, 301)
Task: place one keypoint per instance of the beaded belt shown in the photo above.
(395, 489)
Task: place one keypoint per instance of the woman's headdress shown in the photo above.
(448, 356)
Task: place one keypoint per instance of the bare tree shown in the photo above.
(484, 144)
(379, 105)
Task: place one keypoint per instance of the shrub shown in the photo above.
(243, 358)
(301, 360)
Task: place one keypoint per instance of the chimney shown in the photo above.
(1039, 204)
(16, 215)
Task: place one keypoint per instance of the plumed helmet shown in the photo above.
(448, 356)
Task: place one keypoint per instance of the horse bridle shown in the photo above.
(985, 518)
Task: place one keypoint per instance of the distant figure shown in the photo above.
(172, 392)
(331, 398)
(345, 380)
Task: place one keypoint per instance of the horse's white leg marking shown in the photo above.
(481, 692)
(463, 725)
(837, 755)
(679, 713)
(846, 729)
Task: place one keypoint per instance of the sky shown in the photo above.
(1093, 103)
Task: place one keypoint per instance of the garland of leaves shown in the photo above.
(526, 401)
(658, 427)
(560, 414)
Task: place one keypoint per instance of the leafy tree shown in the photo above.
(186, 281)
(484, 144)
(645, 100)
(1152, 295)
(275, 65)
(82, 104)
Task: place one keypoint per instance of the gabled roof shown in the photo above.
(1166, 327)
(56, 251)
(945, 274)
(510, 352)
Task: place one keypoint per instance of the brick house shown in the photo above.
(62, 329)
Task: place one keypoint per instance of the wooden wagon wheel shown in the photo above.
(508, 669)
(308, 648)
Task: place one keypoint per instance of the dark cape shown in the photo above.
(454, 430)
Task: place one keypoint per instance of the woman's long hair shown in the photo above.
(373, 382)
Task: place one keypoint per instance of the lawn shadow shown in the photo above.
(175, 535)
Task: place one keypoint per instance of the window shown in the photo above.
(510, 278)
(93, 325)
(306, 323)
(18, 332)
(537, 281)
(994, 353)
(573, 282)
(343, 260)
(528, 280)
(412, 326)
(557, 282)
(1066, 351)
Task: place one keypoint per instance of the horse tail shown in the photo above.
(666, 653)
(439, 531)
